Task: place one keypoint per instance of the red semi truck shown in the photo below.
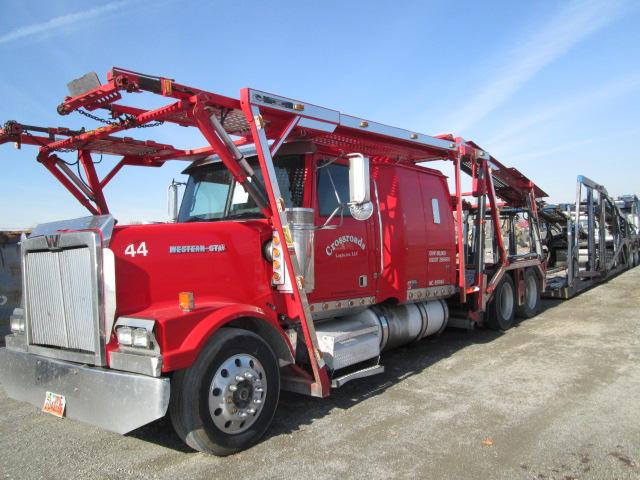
(307, 243)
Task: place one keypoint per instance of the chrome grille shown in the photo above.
(61, 298)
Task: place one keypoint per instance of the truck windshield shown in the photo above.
(212, 193)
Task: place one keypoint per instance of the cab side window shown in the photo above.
(332, 178)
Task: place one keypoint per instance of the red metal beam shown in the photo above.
(113, 172)
(86, 161)
(495, 214)
(295, 303)
(462, 279)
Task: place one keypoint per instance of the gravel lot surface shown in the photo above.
(556, 397)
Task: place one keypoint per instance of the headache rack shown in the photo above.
(267, 121)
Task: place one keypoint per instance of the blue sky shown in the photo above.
(550, 87)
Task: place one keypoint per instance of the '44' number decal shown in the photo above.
(132, 251)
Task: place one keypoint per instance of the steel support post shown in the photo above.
(299, 305)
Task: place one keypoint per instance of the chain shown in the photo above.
(126, 120)
(99, 119)
(42, 144)
(150, 124)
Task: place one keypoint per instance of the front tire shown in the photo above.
(531, 305)
(226, 400)
(501, 310)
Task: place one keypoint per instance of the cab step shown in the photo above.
(365, 372)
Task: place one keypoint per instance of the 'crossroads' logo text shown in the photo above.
(342, 240)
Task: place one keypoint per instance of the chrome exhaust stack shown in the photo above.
(302, 229)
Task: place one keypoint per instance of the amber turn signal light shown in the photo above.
(186, 302)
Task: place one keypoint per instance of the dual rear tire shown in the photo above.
(531, 305)
(503, 308)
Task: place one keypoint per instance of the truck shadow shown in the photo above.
(295, 411)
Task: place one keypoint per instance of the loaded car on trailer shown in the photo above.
(307, 243)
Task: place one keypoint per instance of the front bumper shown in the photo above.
(112, 400)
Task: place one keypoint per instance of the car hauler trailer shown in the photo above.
(588, 242)
(307, 243)
(629, 206)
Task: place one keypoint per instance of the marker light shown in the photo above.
(186, 301)
(278, 267)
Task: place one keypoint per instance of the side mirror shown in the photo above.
(359, 181)
(359, 187)
(172, 200)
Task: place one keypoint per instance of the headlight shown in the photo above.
(141, 338)
(125, 335)
(135, 332)
(137, 337)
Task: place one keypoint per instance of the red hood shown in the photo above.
(214, 260)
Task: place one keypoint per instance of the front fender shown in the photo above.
(183, 336)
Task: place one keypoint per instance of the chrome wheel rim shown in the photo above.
(531, 292)
(506, 301)
(237, 393)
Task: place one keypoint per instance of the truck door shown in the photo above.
(344, 256)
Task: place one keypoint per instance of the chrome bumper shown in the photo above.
(112, 400)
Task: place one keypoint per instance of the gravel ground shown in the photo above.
(556, 397)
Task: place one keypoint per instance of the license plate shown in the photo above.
(54, 404)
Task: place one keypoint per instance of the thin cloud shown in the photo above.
(60, 22)
(574, 22)
(545, 153)
(550, 153)
(569, 106)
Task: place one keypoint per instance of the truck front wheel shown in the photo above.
(502, 307)
(225, 402)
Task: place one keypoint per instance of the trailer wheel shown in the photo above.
(502, 308)
(531, 304)
(225, 402)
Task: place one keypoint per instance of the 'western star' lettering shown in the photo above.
(221, 247)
